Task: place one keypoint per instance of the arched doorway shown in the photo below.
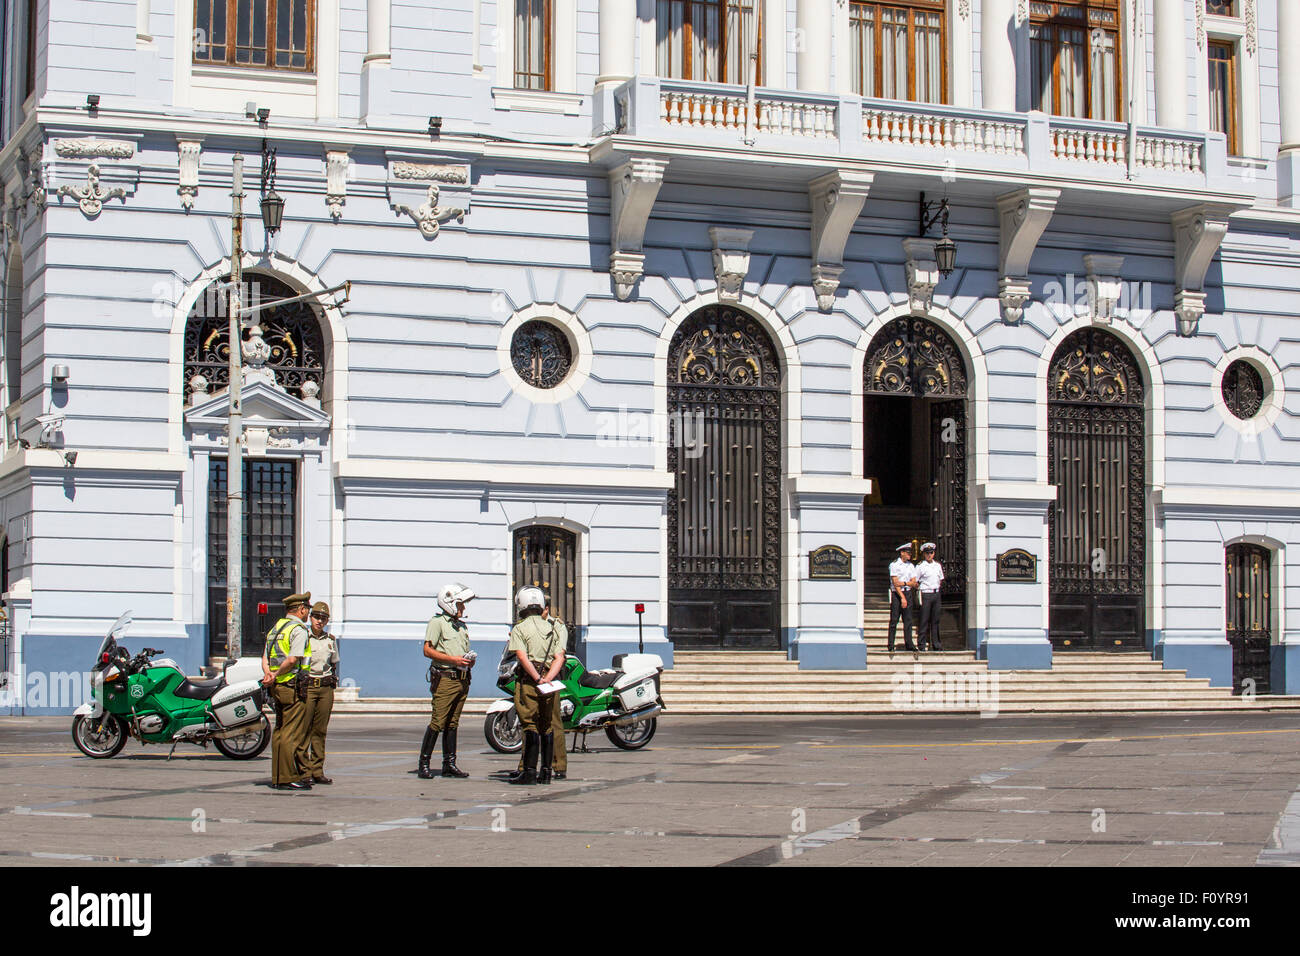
(290, 353)
(546, 557)
(724, 515)
(1097, 527)
(915, 386)
(1250, 616)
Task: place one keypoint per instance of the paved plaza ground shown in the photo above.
(1107, 790)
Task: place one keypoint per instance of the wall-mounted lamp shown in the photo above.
(435, 125)
(92, 102)
(945, 250)
(272, 203)
(59, 375)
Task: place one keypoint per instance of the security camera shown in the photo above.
(49, 423)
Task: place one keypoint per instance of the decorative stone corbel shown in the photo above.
(429, 216)
(1198, 232)
(336, 181)
(91, 196)
(730, 260)
(188, 181)
(836, 200)
(633, 188)
(922, 273)
(1104, 286)
(1023, 215)
(33, 177)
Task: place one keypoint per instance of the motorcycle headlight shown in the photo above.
(111, 675)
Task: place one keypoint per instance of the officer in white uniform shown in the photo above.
(929, 575)
(902, 580)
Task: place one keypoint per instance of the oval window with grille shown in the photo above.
(1243, 389)
(541, 354)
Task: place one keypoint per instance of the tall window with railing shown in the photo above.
(533, 48)
(1075, 58)
(709, 40)
(898, 50)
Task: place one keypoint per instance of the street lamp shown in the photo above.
(272, 203)
(945, 250)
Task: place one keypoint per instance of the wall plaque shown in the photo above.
(830, 561)
(1017, 565)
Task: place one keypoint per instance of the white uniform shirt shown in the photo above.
(903, 570)
(929, 574)
(324, 654)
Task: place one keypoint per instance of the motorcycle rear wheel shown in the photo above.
(99, 737)
(246, 746)
(503, 733)
(631, 736)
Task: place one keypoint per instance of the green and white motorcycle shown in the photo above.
(153, 701)
(624, 701)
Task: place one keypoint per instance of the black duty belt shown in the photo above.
(320, 682)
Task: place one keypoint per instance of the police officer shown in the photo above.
(929, 575)
(561, 764)
(287, 656)
(446, 644)
(902, 580)
(538, 646)
(322, 678)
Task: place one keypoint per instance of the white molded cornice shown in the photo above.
(633, 188)
(479, 476)
(836, 200)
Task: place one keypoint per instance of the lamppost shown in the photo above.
(272, 206)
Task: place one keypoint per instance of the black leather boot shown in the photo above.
(426, 753)
(529, 775)
(449, 768)
(548, 756)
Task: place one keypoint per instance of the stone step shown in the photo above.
(1128, 705)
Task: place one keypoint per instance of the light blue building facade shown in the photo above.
(627, 322)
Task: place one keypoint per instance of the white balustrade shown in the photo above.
(1110, 148)
(771, 115)
(911, 128)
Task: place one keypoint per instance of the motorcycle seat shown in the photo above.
(598, 680)
(200, 689)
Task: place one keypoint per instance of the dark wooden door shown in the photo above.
(1096, 527)
(547, 557)
(724, 516)
(270, 550)
(1250, 615)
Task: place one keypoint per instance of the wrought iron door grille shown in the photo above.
(1250, 615)
(270, 540)
(913, 356)
(541, 354)
(292, 331)
(546, 558)
(724, 448)
(1243, 389)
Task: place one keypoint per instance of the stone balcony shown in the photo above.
(708, 128)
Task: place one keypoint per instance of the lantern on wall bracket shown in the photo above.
(272, 203)
(945, 250)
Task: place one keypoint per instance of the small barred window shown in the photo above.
(1243, 389)
(541, 354)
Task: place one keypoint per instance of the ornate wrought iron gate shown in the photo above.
(724, 516)
(270, 549)
(948, 498)
(547, 558)
(1096, 528)
(1250, 616)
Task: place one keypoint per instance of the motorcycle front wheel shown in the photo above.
(631, 736)
(99, 737)
(503, 733)
(248, 745)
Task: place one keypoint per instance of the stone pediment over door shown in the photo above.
(272, 420)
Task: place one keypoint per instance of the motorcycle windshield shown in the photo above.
(117, 630)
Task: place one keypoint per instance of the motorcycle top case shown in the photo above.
(238, 704)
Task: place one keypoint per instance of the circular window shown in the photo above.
(541, 354)
(1243, 389)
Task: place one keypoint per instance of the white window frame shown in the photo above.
(1232, 30)
(958, 53)
(226, 89)
(775, 65)
(564, 62)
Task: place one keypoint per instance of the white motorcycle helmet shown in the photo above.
(451, 594)
(530, 597)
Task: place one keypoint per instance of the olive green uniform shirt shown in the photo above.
(539, 639)
(448, 636)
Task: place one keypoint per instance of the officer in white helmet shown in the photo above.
(539, 647)
(446, 644)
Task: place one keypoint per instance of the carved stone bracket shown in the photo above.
(1104, 286)
(91, 148)
(1198, 232)
(336, 181)
(836, 200)
(429, 216)
(730, 260)
(188, 187)
(91, 196)
(633, 188)
(1023, 216)
(32, 173)
(922, 274)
